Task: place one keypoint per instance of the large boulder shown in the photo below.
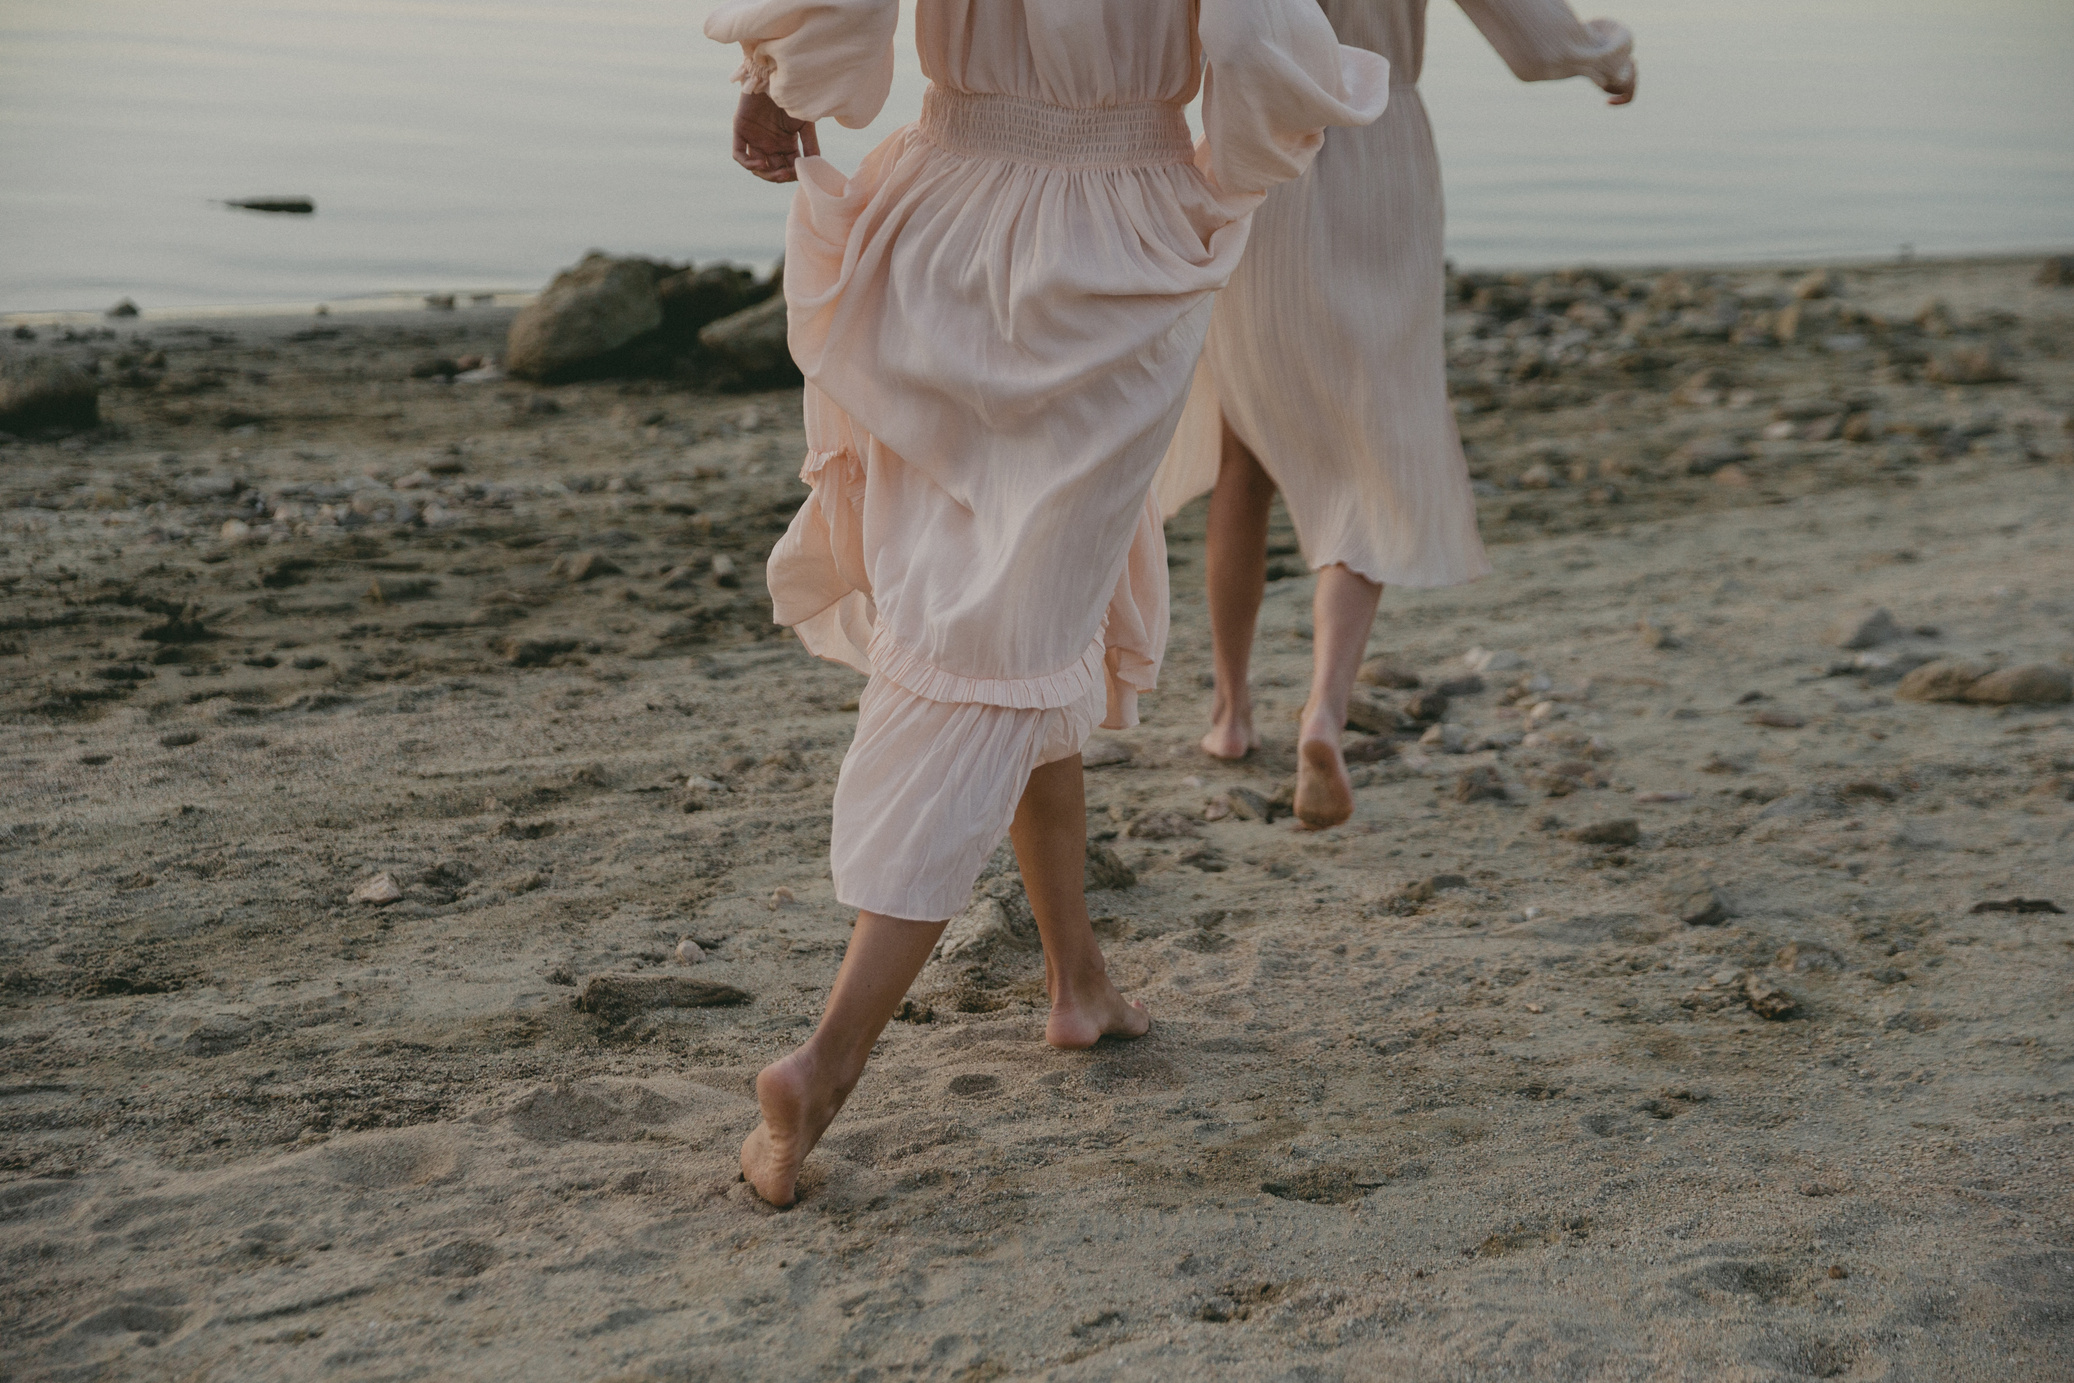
(587, 313)
(2039, 684)
(46, 391)
(692, 298)
(751, 344)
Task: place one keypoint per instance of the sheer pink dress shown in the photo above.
(1326, 354)
(998, 316)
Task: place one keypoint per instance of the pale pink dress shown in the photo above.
(998, 316)
(1326, 353)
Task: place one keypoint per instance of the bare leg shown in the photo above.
(801, 1093)
(1341, 612)
(1238, 576)
(1050, 835)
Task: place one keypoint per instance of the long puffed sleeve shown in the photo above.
(1542, 41)
(817, 58)
(1276, 76)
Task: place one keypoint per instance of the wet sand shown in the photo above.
(1452, 1091)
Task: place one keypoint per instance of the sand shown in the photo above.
(1443, 1093)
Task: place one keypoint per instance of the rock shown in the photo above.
(1716, 992)
(234, 531)
(587, 311)
(1382, 672)
(1248, 805)
(1697, 902)
(1106, 870)
(1469, 684)
(1769, 1001)
(1706, 455)
(1480, 784)
(978, 932)
(1946, 679)
(1822, 283)
(1372, 717)
(1804, 956)
(45, 391)
(124, 308)
(2017, 905)
(1426, 706)
(1779, 720)
(180, 739)
(1493, 660)
(1406, 900)
(753, 341)
(1161, 825)
(1655, 634)
(1914, 1020)
(615, 999)
(379, 891)
(1967, 365)
(2056, 272)
(725, 573)
(1623, 831)
(1103, 752)
(1863, 629)
(535, 652)
(1445, 739)
(696, 297)
(2037, 684)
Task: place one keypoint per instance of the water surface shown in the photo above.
(455, 145)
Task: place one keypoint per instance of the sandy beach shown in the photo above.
(1686, 1000)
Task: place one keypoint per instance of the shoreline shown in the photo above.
(413, 302)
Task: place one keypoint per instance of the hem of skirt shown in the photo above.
(904, 910)
(1385, 574)
(908, 670)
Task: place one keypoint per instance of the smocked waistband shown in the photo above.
(987, 125)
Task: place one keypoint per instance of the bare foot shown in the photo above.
(1324, 794)
(1094, 1011)
(1232, 735)
(798, 1107)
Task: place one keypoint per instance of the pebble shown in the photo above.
(1803, 956)
(1427, 706)
(1161, 825)
(235, 531)
(1779, 720)
(1968, 365)
(1663, 795)
(1706, 455)
(2037, 684)
(583, 566)
(1945, 679)
(783, 897)
(1769, 1001)
(379, 891)
(1448, 739)
(1863, 629)
(689, 952)
(1369, 716)
(1493, 660)
(617, 998)
(725, 573)
(179, 739)
(1383, 672)
(1655, 634)
(1480, 784)
(1622, 831)
(1697, 903)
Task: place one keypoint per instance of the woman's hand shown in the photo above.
(1621, 89)
(768, 141)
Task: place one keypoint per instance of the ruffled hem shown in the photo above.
(754, 75)
(908, 670)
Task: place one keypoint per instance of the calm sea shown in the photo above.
(457, 145)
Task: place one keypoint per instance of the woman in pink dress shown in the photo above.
(998, 316)
(1325, 378)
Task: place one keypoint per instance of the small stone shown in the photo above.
(1779, 720)
(1818, 1189)
(2017, 905)
(234, 531)
(1803, 956)
(1660, 795)
(1821, 283)
(725, 573)
(1655, 634)
(1731, 474)
(1968, 365)
(1446, 739)
(1104, 752)
(618, 998)
(1370, 716)
(1914, 1020)
(1105, 870)
(583, 566)
(1769, 1001)
(1697, 903)
(1382, 672)
(783, 897)
(179, 739)
(379, 891)
(1624, 831)
(1863, 629)
(1706, 455)
(1480, 784)
(1161, 825)
(1426, 706)
(689, 952)
(1493, 660)
(1946, 679)
(1838, 1272)
(1406, 900)
(1467, 685)
(2037, 684)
